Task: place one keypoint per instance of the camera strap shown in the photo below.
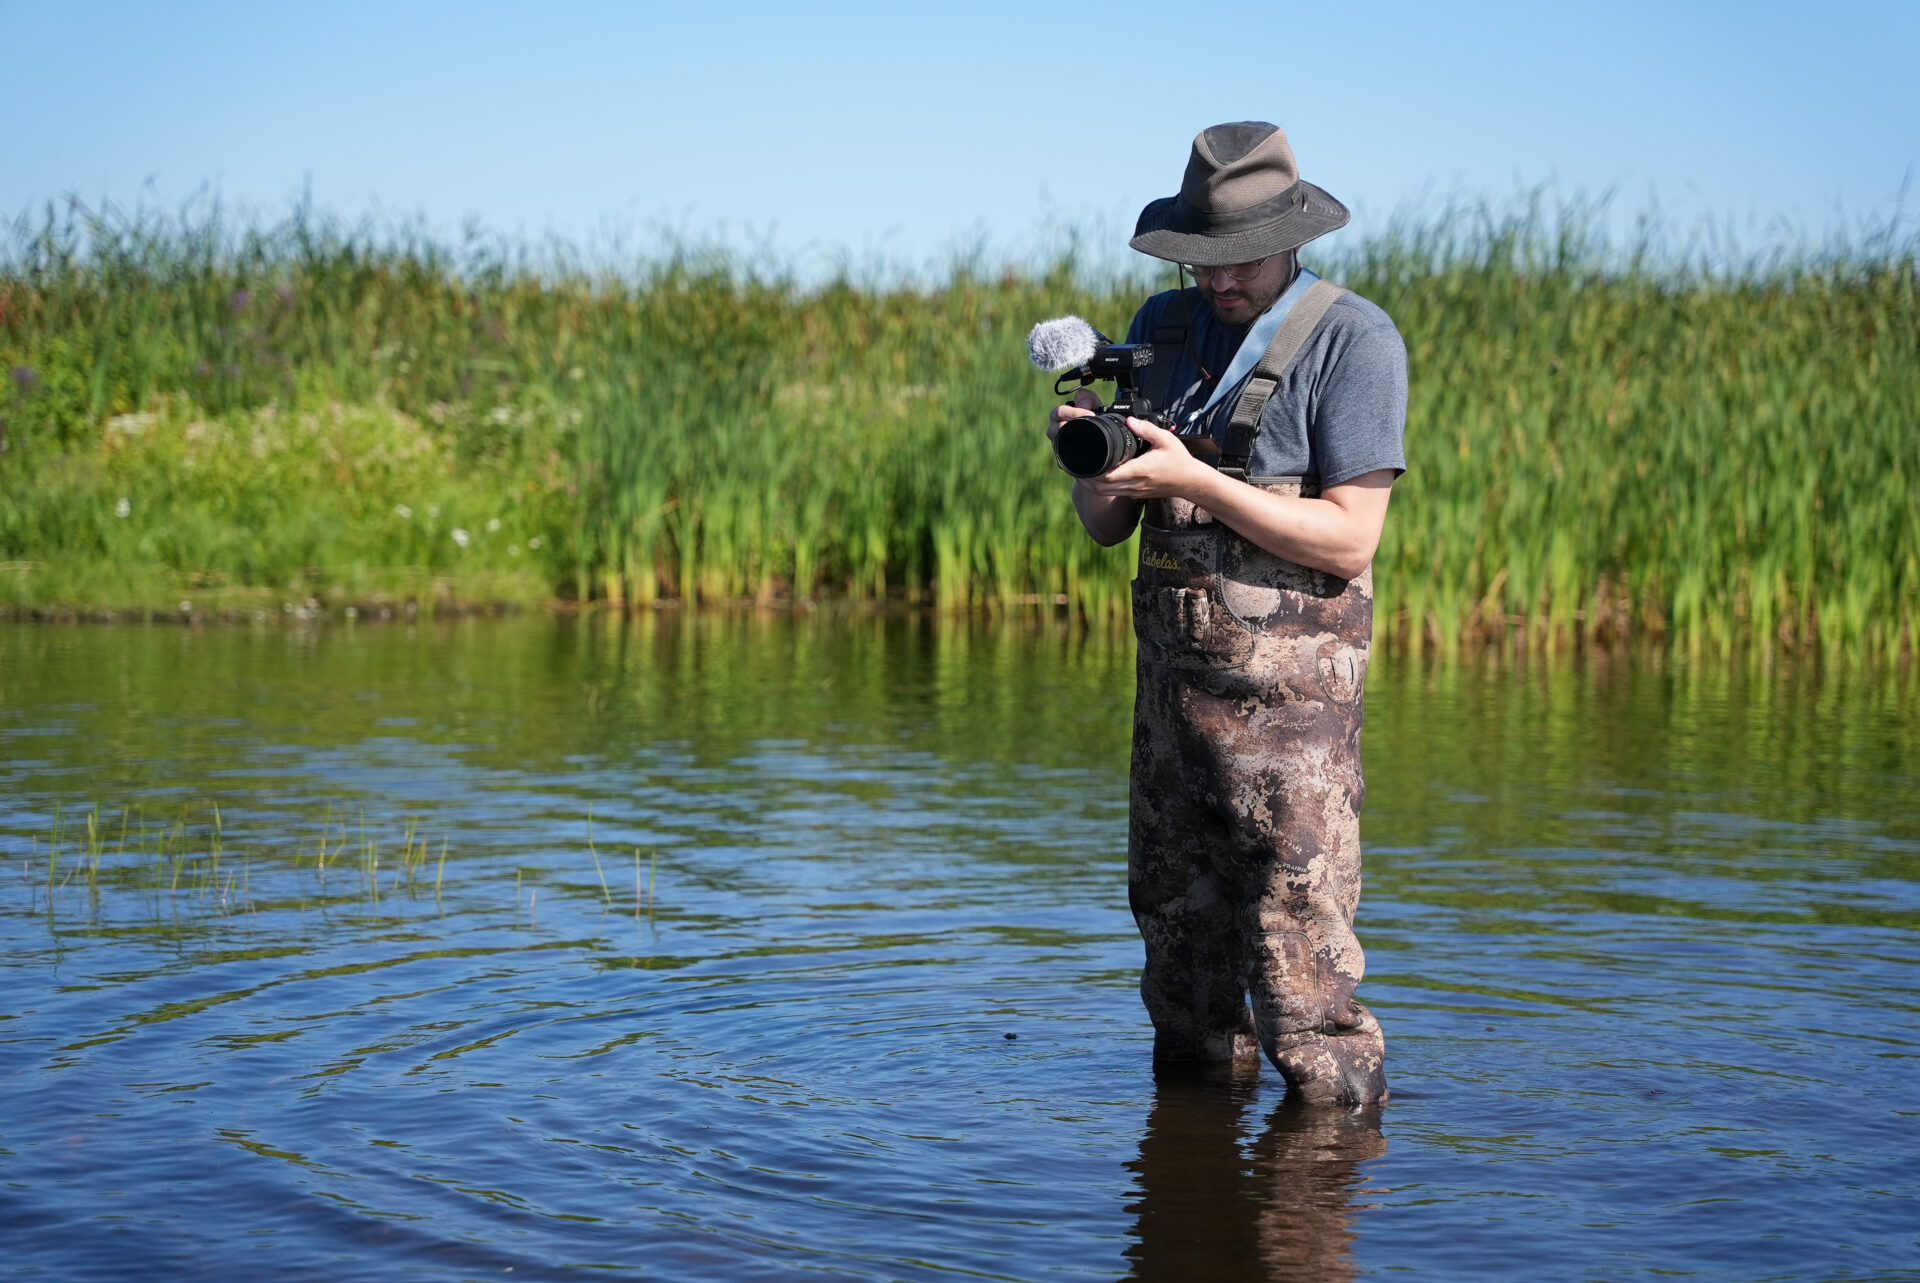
(1281, 334)
(1260, 336)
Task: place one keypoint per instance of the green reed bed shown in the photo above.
(1601, 445)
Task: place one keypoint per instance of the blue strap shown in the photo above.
(1254, 346)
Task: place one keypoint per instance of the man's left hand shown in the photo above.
(1165, 471)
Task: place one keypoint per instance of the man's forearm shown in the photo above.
(1336, 533)
(1109, 521)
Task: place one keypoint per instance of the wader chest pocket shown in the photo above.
(1188, 627)
(1178, 614)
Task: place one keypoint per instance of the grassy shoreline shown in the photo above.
(245, 418)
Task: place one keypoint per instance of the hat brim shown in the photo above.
(1168, 228)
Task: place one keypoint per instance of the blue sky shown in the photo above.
(895, 134)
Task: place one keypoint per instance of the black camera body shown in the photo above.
(1097, 444)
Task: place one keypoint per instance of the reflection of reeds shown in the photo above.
(1599, 444)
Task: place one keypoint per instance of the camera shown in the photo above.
(1094, 445)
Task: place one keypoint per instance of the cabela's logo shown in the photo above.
(1159, 560)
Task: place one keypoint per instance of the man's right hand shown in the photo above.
(1083, 404)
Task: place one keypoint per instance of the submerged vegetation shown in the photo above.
(202, 417)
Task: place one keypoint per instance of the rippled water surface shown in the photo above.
(755, 948)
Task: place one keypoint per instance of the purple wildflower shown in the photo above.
(242, 300)
(24, 378)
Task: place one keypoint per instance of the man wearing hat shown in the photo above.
(1254, 612)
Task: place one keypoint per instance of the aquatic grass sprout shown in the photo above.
(185, 863)
(1604, 440)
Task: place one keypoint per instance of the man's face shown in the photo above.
(1238, 302)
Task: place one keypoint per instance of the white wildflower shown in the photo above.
(534, 542)
(460, 536)
(493, 524)
(124, 508)
(403, 512)
(502, 414)
(513, 550)
(433, 511)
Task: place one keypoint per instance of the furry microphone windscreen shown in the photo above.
(1064, 343)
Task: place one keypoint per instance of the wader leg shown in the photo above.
(1305, 960)
(1193, 983)
(1191, 921)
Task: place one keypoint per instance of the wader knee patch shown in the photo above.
(1343, 669)
(1285, 983)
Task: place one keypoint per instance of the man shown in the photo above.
(1254, 612)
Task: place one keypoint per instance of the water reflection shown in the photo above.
(1232, 1187)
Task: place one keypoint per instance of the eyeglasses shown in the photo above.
(1238, 271)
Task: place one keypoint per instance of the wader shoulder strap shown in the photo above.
(1292, 336)
(1168, 338)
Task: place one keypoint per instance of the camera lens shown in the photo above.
(1095, 445)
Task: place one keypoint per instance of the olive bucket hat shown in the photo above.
(1242, 198)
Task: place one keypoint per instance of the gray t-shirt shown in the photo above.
(1340, 412)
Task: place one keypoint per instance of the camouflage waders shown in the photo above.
(1244, 833)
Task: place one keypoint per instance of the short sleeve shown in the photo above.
(1359, 416)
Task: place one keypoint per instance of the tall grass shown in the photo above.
(1601, 443)
(1717, 456)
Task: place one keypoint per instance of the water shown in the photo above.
(1645, 940)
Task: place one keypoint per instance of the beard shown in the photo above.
(1240, 302)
